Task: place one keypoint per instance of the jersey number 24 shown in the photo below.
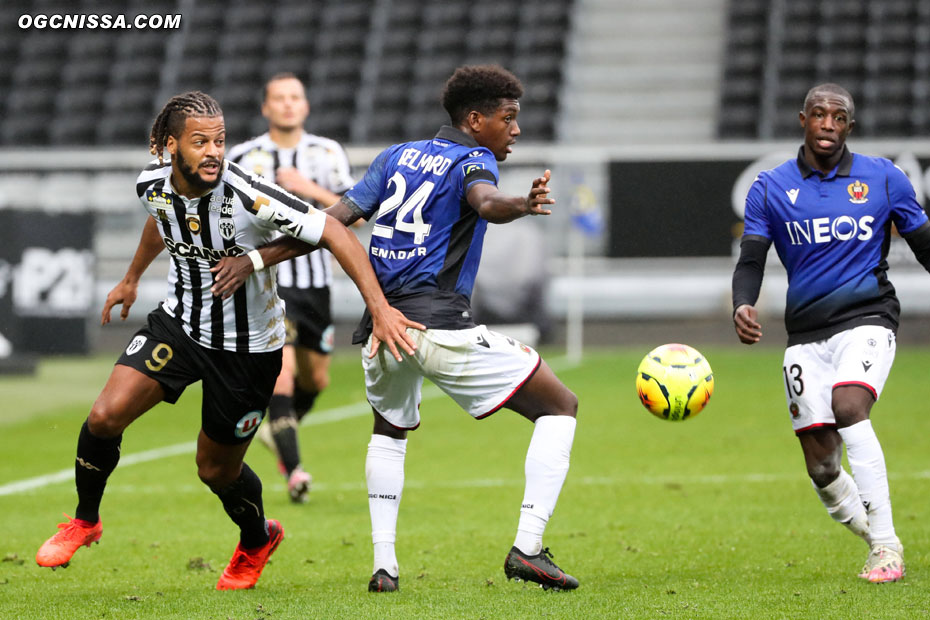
(396, 202)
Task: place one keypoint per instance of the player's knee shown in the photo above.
(568, 404)
(823, 472)
(848, 413)
(320, 381)
(215, 475)
(103, 420)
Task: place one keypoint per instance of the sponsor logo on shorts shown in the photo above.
(328, 340)
(248, 424)
(135, 345)
(866, 364)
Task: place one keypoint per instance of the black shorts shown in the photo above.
(236, 386)
(308, 318)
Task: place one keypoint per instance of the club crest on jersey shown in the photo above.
(858, 192)
(193, 223)
(470, 167)
(227, 228)
(159, 199)
(248, 424)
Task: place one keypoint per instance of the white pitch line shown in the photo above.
(336, 414)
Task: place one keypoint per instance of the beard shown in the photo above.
(193, 178)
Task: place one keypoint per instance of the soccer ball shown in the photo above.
(674, 382)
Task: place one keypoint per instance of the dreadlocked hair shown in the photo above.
(479, 88)
(170, 121)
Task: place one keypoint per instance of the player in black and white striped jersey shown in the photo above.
(317, 170)
(204, 209)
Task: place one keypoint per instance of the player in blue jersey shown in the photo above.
(829, 213)
(430, 202)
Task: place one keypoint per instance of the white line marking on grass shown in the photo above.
(672, 481)
(336, 414)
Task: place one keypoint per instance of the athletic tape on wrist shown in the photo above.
(256, 258)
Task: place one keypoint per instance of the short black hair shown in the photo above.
(830, 87)
(284, 75)
(479, 88)
(172, 118)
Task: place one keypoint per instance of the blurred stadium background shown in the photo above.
(654, 116)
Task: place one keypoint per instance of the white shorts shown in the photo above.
(860, 356)
(478, 368)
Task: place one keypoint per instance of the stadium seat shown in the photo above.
(247, 16)
(248, 70)
(74, 129)
(26, 129)
(124, 127)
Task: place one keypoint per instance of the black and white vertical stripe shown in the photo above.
(321, 160)
(224, 222)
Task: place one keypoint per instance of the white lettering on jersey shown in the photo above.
(187, 250)
(415, 160)
(398, 254)
(823, 230)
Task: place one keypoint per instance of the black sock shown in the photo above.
(303, 401)
(242, 501)
(284, 430)
(96, 459)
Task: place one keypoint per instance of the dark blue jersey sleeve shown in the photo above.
(365, 196)
(906, 212)
(756, 217)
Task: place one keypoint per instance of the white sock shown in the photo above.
(384, 471)
(841, 499)
(868, 467)
(547, 461)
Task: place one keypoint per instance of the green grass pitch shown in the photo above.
(709, 518)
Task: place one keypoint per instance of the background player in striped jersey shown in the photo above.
(317, 170)
(202, 209)
(829, 213)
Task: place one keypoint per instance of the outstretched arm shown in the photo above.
(389, 324)
(499, 208)
(150, 246)
(231, 272)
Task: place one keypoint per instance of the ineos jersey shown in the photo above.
(426, 241)
(321, 160)
(240, 214)
(832, 233)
